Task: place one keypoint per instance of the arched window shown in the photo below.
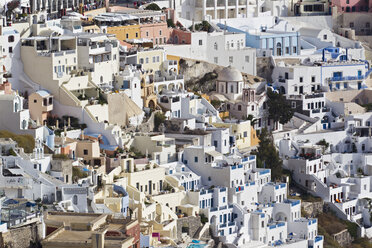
(75, 200)
(278, 49)
(215, 46)
(16, 107)
(11, 38)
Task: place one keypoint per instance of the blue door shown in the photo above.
(324, 126)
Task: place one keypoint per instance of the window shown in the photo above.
(351, 24)
(10, 49)
(35, 101)
(85, 152)
(313, 79)
(294, 49)
(295, 88)
(147, 34)
(10, 38)
(293, 104)
(245, 134)
(324, 37)
(127, 36)
(147, 60)
(195, 159)
(136, 35)
(215, 46)
(347, 1)
(247, 59)
(215, 143)
(200, 42)
(252, 107)
(239, 107)
(301, 79)
(159, 32)
(231, 59)
(215, 60)
(75, 200)
(287, 50)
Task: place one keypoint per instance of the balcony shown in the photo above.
(347, 78)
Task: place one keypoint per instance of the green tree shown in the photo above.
(159, 118)
(279, 108)
(324, 144)
(203, 26)
(252, 119)
(268, 156)
(170, 23)
(152, 6)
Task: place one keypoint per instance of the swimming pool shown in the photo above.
(196, 245)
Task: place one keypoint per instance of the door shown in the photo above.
(150, 187)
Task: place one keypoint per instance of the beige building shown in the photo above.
(77, 230)
(160, 148)
(241, 130)
(88, 150)
(40, 105)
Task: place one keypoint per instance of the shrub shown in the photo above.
(153, 6)
(25, 141)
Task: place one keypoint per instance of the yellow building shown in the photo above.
(242, 131)
(125, 32)
(151, 59)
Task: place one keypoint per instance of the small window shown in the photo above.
(127, 36)
(10, 49)
(301, 79)
(313, 79)
(85, 152)
(351, 24)
(196, 159)
(200, 42)
(325, 37)
(231, 59)
(247, 59)
(10, 38)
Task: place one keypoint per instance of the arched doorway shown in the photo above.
(151, 104)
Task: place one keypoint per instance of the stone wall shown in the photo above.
(312, 208)
(264, 68)
(343, 238)
(190, 224)
(27, 236)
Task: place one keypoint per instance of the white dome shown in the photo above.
(230, 74)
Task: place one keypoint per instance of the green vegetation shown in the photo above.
(279, 108)
(368, 107)
(101, 99)
(324, 144)
(25, 141)
(60, 156)
(11, 152)
(159, 119)
(170, 23)
(268, 156)
(203, 219)
(78, 173)
(203, 26)
(307, 198)
(153, 6)
(136, 153)
(216, 103)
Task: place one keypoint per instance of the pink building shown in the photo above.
(353, 5)
(158, 32)
(179, 36)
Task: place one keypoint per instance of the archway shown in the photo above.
(151, 104)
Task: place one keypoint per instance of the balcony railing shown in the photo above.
(347, 78)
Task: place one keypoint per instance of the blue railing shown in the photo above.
(233, 167)
(264, 172)
(281, 224)
(272, 226)
(252, 157)
(223, 226)
(295, 203)
(240, 166)
(283, 185)
(347, 78)
(222, 189)
(214, 209)
(318, 238)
